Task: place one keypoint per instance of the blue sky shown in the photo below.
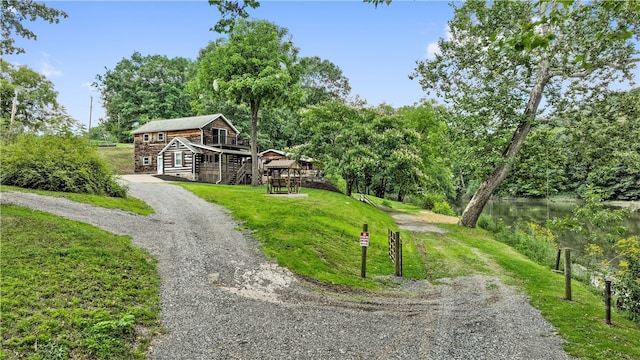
(376, 48)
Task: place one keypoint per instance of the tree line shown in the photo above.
(507, 72)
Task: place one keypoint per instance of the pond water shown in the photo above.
(540, 210)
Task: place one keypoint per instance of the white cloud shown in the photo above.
(433, 48)
(49, 70)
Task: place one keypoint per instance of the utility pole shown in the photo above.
(14, 109)
(90, 111)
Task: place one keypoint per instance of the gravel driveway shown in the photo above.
(222, 299)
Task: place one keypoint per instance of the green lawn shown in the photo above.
(317, 236)
(70, 290)
(129, 203)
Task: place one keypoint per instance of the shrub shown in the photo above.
(627, 283)
(54, 163)
(443, 207)
(532, 240)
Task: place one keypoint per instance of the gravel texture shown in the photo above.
(223, 299)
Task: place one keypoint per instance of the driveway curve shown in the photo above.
(221, 298)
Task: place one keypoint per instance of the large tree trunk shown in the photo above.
(473, 210)
(255, 170)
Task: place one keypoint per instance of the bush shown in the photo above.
(443, 207)
(532, 240)
(487, 223)
(627, 283)
(54, 163)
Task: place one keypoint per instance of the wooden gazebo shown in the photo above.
(283, 177)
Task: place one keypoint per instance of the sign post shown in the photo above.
(364, 243)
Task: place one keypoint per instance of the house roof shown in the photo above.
(185, 123)
(283, 164)
(275, 151)
(185, 142)
(222, 151)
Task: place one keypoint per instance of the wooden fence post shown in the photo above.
(567, 274)
(363, 269)
(607, 296)
(398, 261)
(558, 259)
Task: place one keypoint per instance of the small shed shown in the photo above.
(283, 177)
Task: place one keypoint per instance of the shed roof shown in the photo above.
(279, 152)
(283, 164)
(185, 123)
(222, 151)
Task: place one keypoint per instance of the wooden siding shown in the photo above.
(168, 159)
(153, 147)
(143, 149)
(216, 124)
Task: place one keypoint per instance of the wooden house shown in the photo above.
(200, 148)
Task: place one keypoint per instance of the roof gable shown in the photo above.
(185, 123)
(184, 142)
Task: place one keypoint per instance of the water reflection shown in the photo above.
(513, 211)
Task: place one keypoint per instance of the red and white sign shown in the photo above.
(364, 239)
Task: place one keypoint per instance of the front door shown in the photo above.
(160, 165)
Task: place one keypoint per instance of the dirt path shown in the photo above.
(222, 299)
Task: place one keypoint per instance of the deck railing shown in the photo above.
(230, 140)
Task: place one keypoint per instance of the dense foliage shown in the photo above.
(68, 164)
(144, 88)
(380, 149)
(595, 144)
(502, 58)
(14, 13)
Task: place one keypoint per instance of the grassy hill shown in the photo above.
(315, 236)
(120, 157)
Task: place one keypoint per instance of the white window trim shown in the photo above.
(147, 161)
(161, 137)
(177, 159)
(146, 137)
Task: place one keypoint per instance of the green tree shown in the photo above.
(503, 57)
(36, 104)
(322, 81)
(602, 145)
(231, 11)
(14, 13)
(540, 169)
(256, 65)
(435, 148)
(144, 88)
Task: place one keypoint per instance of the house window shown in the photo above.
(160, 137)
(146, 137)
(216, 158)
(177, 159)
(219, 136)
(146, 160)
